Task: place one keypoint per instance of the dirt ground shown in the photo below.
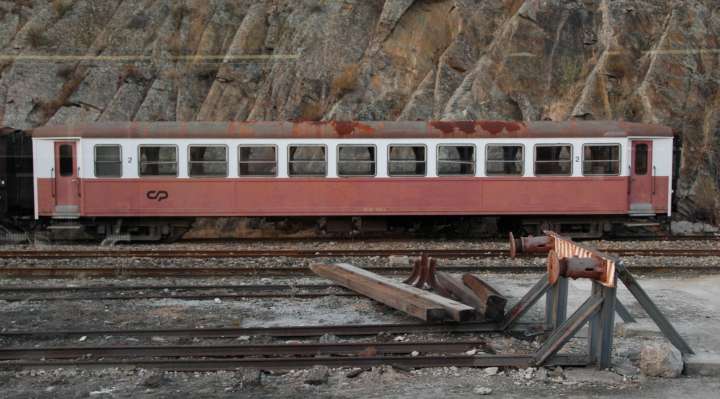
(691, 302)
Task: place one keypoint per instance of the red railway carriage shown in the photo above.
(164, 171)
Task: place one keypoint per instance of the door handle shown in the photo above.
(652, 180)
(77, 184)
(52, 174)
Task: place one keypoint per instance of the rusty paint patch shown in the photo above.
(450, 127)
(497, 127)
(344, 128)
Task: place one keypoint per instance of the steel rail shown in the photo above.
(300, 331)
(234, 287)
(186, 297)
(227, 292)
(205, 272)
(324, 253)
(407, 362)
(299, 253)
(239, 350)
(266, 253)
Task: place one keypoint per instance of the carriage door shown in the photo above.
(641, 178)
(67, 181)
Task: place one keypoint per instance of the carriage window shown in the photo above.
(66, 160)
(456, 160)
(504, 160)
(307, 160)
(553, 160)
(108, 161)
(160, 160)
(207, 161)
(257, 160)
(601, 160)
(356, 160)
(641, 159)
(406, 160)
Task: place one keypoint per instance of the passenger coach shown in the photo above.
(108, 175)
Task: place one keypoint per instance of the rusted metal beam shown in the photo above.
(526, 302)
(556, 304)
(601, 329)
(568, 329)
(494, 302)
(623, 312)
(575, 268)
(530, 245)
(414, 301)
(651, 309)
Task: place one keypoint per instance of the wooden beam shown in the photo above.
(493, 303)
(413, 301)
(455, 286)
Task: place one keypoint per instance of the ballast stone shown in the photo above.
(661, 360)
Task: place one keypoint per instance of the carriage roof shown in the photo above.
(353, 130)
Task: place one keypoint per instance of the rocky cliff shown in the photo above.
(639, 60)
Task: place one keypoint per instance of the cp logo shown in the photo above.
(158, 196)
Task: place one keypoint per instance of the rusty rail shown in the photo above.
(62, 272)
(284, 332)
(225, 351)
(322, 253)
(405, 362)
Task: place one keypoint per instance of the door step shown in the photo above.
(642, 224)
(66, 212)
(65, 227)
(641, 209)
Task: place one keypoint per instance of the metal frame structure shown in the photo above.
(567, 259)
(598, 310)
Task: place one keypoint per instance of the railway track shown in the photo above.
(274, 356)
(278, 332)
(225, 351)
(324, 253)
(296, 271)
(285, 363)
(224, 292)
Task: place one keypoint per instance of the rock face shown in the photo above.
(661, 360)
(638, 60)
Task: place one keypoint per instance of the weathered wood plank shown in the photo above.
(455, 286)
(414, 301)
(494, 302)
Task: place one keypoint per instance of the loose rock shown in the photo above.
(155, 381)
(249, 378)
(661, 360)
(318, 375)
(328, 339)
(482, 391)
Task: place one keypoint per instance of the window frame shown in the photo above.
(277, 161)
(474, 159)
(425, 160)
(95, 161)
(140, 162)
(374, 161)
(570, 160)
(522, 160)
(190, 162)
(289, 161)
(619, 161)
